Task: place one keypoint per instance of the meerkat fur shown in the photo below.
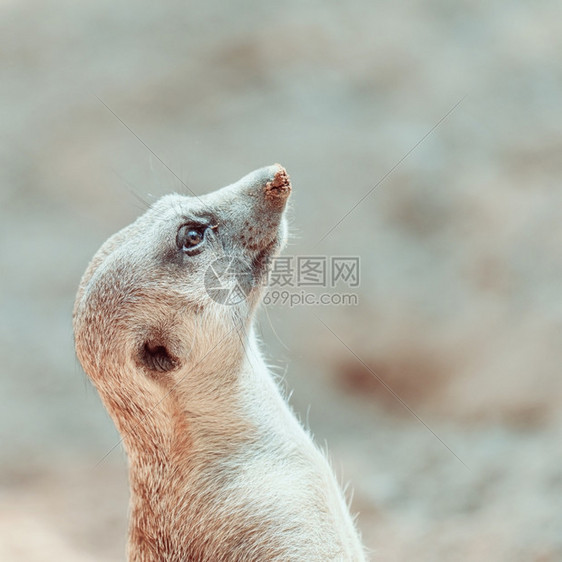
(219, 467)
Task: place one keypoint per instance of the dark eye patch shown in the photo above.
(190, 236)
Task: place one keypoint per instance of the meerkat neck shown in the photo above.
(165, 478)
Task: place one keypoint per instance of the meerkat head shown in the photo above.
(165, 304)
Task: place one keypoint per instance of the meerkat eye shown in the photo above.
(190, 236)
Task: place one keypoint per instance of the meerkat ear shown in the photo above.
(157, 358)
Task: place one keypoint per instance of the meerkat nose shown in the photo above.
(265, 190)
(278, 188)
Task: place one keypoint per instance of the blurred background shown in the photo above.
(456, 107)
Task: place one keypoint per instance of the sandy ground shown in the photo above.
(453, 108)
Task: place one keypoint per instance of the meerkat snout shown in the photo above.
(278, 190)
(254, 227)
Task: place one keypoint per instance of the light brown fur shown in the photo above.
(219, 467)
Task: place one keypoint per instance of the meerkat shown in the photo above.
(220, 469)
